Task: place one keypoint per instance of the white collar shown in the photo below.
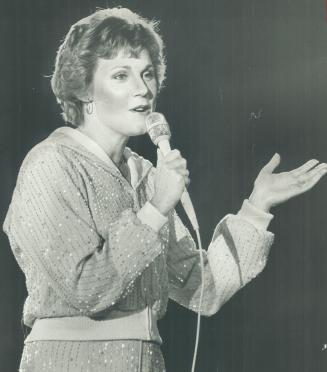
(138, 166)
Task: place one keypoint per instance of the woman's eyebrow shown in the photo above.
(121, 66)
(147, 67)
(128, 67)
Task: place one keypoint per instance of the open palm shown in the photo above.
(271, 189)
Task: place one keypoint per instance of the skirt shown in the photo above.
(92, 356)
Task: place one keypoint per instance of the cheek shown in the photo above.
(112, 97)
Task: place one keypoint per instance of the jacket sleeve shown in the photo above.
(237, 254)
(50, 222)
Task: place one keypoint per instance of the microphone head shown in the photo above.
(157, 127)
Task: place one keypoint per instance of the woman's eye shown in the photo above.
(120, 76)
(148, 75)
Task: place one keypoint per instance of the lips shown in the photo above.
(141, 108)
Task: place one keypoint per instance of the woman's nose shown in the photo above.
(141, 88)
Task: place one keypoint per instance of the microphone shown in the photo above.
(159, 132)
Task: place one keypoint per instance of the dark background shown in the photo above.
(246, 79)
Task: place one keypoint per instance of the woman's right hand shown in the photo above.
(171, 178)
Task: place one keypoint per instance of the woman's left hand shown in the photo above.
(271, 189)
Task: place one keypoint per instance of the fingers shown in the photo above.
(183, 180)
(186, 180)
(174, 161)
(316, 173)
(177, 163)
(308, 180)
(272, 164)
(173, 155)
(305, 167)
(183, 173)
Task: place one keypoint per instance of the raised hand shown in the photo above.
(271, 189)
(171, 178)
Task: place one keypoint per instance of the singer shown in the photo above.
(93, 226)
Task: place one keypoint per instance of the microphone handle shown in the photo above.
(185, 200)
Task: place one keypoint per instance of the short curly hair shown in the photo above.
(101, 35)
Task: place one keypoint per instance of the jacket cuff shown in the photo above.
(150, 216)
(255, 216)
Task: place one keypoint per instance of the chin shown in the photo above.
(138, 132)
(139, 128)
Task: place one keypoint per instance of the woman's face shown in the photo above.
(124, 90)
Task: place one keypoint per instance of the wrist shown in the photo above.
(160, 206)
(151, 216)
(255, 216)
(259, 201)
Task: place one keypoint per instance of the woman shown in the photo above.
(93, 226)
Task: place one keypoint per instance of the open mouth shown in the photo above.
(141, 108)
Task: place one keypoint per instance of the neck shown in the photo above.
(112, 143)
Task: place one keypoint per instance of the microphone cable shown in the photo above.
(159, 132)
(198, 323)
(190, 212)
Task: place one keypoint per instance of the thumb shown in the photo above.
(272, 164)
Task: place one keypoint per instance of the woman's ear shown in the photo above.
(86, 98)
(86, 95)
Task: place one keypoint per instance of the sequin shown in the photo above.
(65, 356)
(90, 253)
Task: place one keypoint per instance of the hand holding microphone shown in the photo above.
(172, 173)
(171, 179)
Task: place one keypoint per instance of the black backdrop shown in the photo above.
(245, 79)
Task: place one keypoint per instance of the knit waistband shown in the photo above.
(140, 325)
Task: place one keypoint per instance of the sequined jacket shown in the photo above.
(79, 232)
